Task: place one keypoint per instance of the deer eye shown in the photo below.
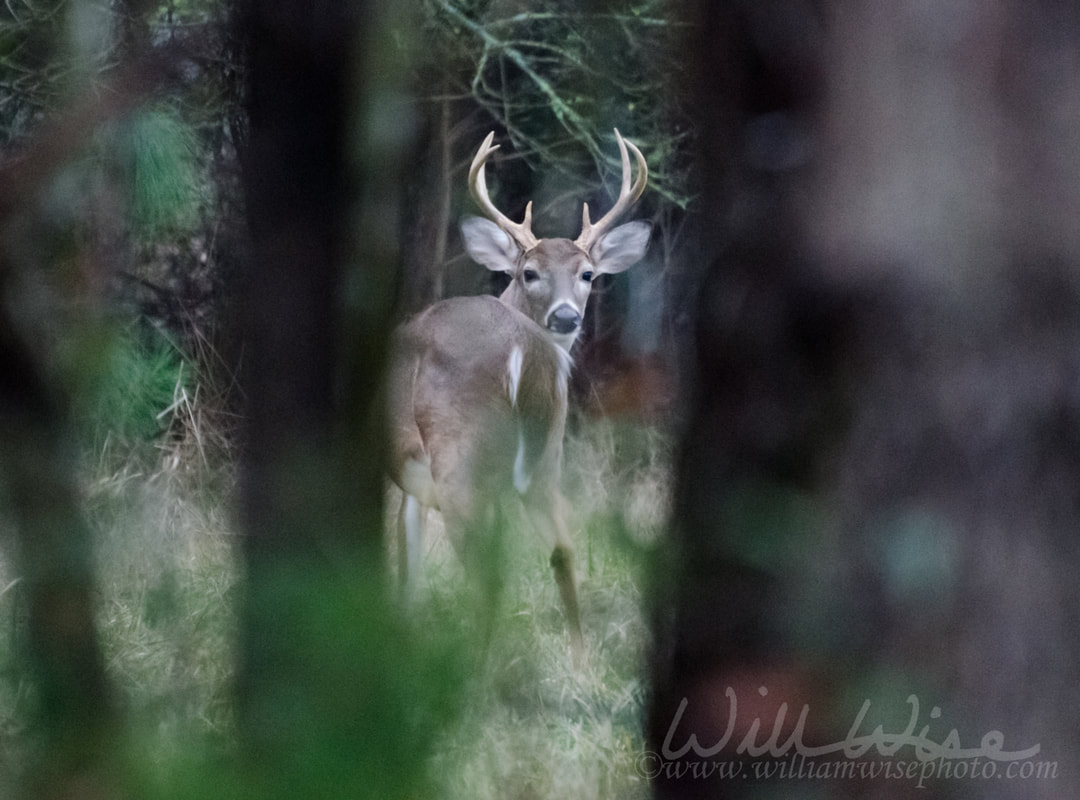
(530, 275)
(587, 276)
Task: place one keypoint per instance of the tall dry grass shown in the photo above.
(528, 724)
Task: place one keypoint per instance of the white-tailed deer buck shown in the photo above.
(479, 384)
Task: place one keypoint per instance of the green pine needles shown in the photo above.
(156, 151)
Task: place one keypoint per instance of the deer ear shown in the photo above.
(489, 245)
(621, 247)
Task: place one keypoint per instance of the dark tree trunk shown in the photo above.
(52, 543)
(312, 465)
(296, 181)
(427, 208)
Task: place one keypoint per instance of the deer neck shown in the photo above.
(514, 297)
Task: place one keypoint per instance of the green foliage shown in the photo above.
(355, 699)
(155, 153)
(132, 384)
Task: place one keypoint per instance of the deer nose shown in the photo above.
(564, 319)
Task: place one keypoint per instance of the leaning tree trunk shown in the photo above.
(880, 487)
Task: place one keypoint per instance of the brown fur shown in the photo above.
(466, 431)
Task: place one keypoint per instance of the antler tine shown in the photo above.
(520, 231)
(628, 195)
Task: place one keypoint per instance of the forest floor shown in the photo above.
(536, 726)
(532, 725)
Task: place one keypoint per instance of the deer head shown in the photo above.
(550, 279)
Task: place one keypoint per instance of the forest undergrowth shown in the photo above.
(158, 478)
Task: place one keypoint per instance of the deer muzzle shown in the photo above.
(564, 319)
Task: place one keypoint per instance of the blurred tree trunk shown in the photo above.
(312, 463)
(52, 546)
(759, 407)
(76, 721)
(879, 487)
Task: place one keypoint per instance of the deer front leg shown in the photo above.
(562, 562)
(550, 516)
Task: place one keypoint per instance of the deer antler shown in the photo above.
(520, 231)
(628, 195)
